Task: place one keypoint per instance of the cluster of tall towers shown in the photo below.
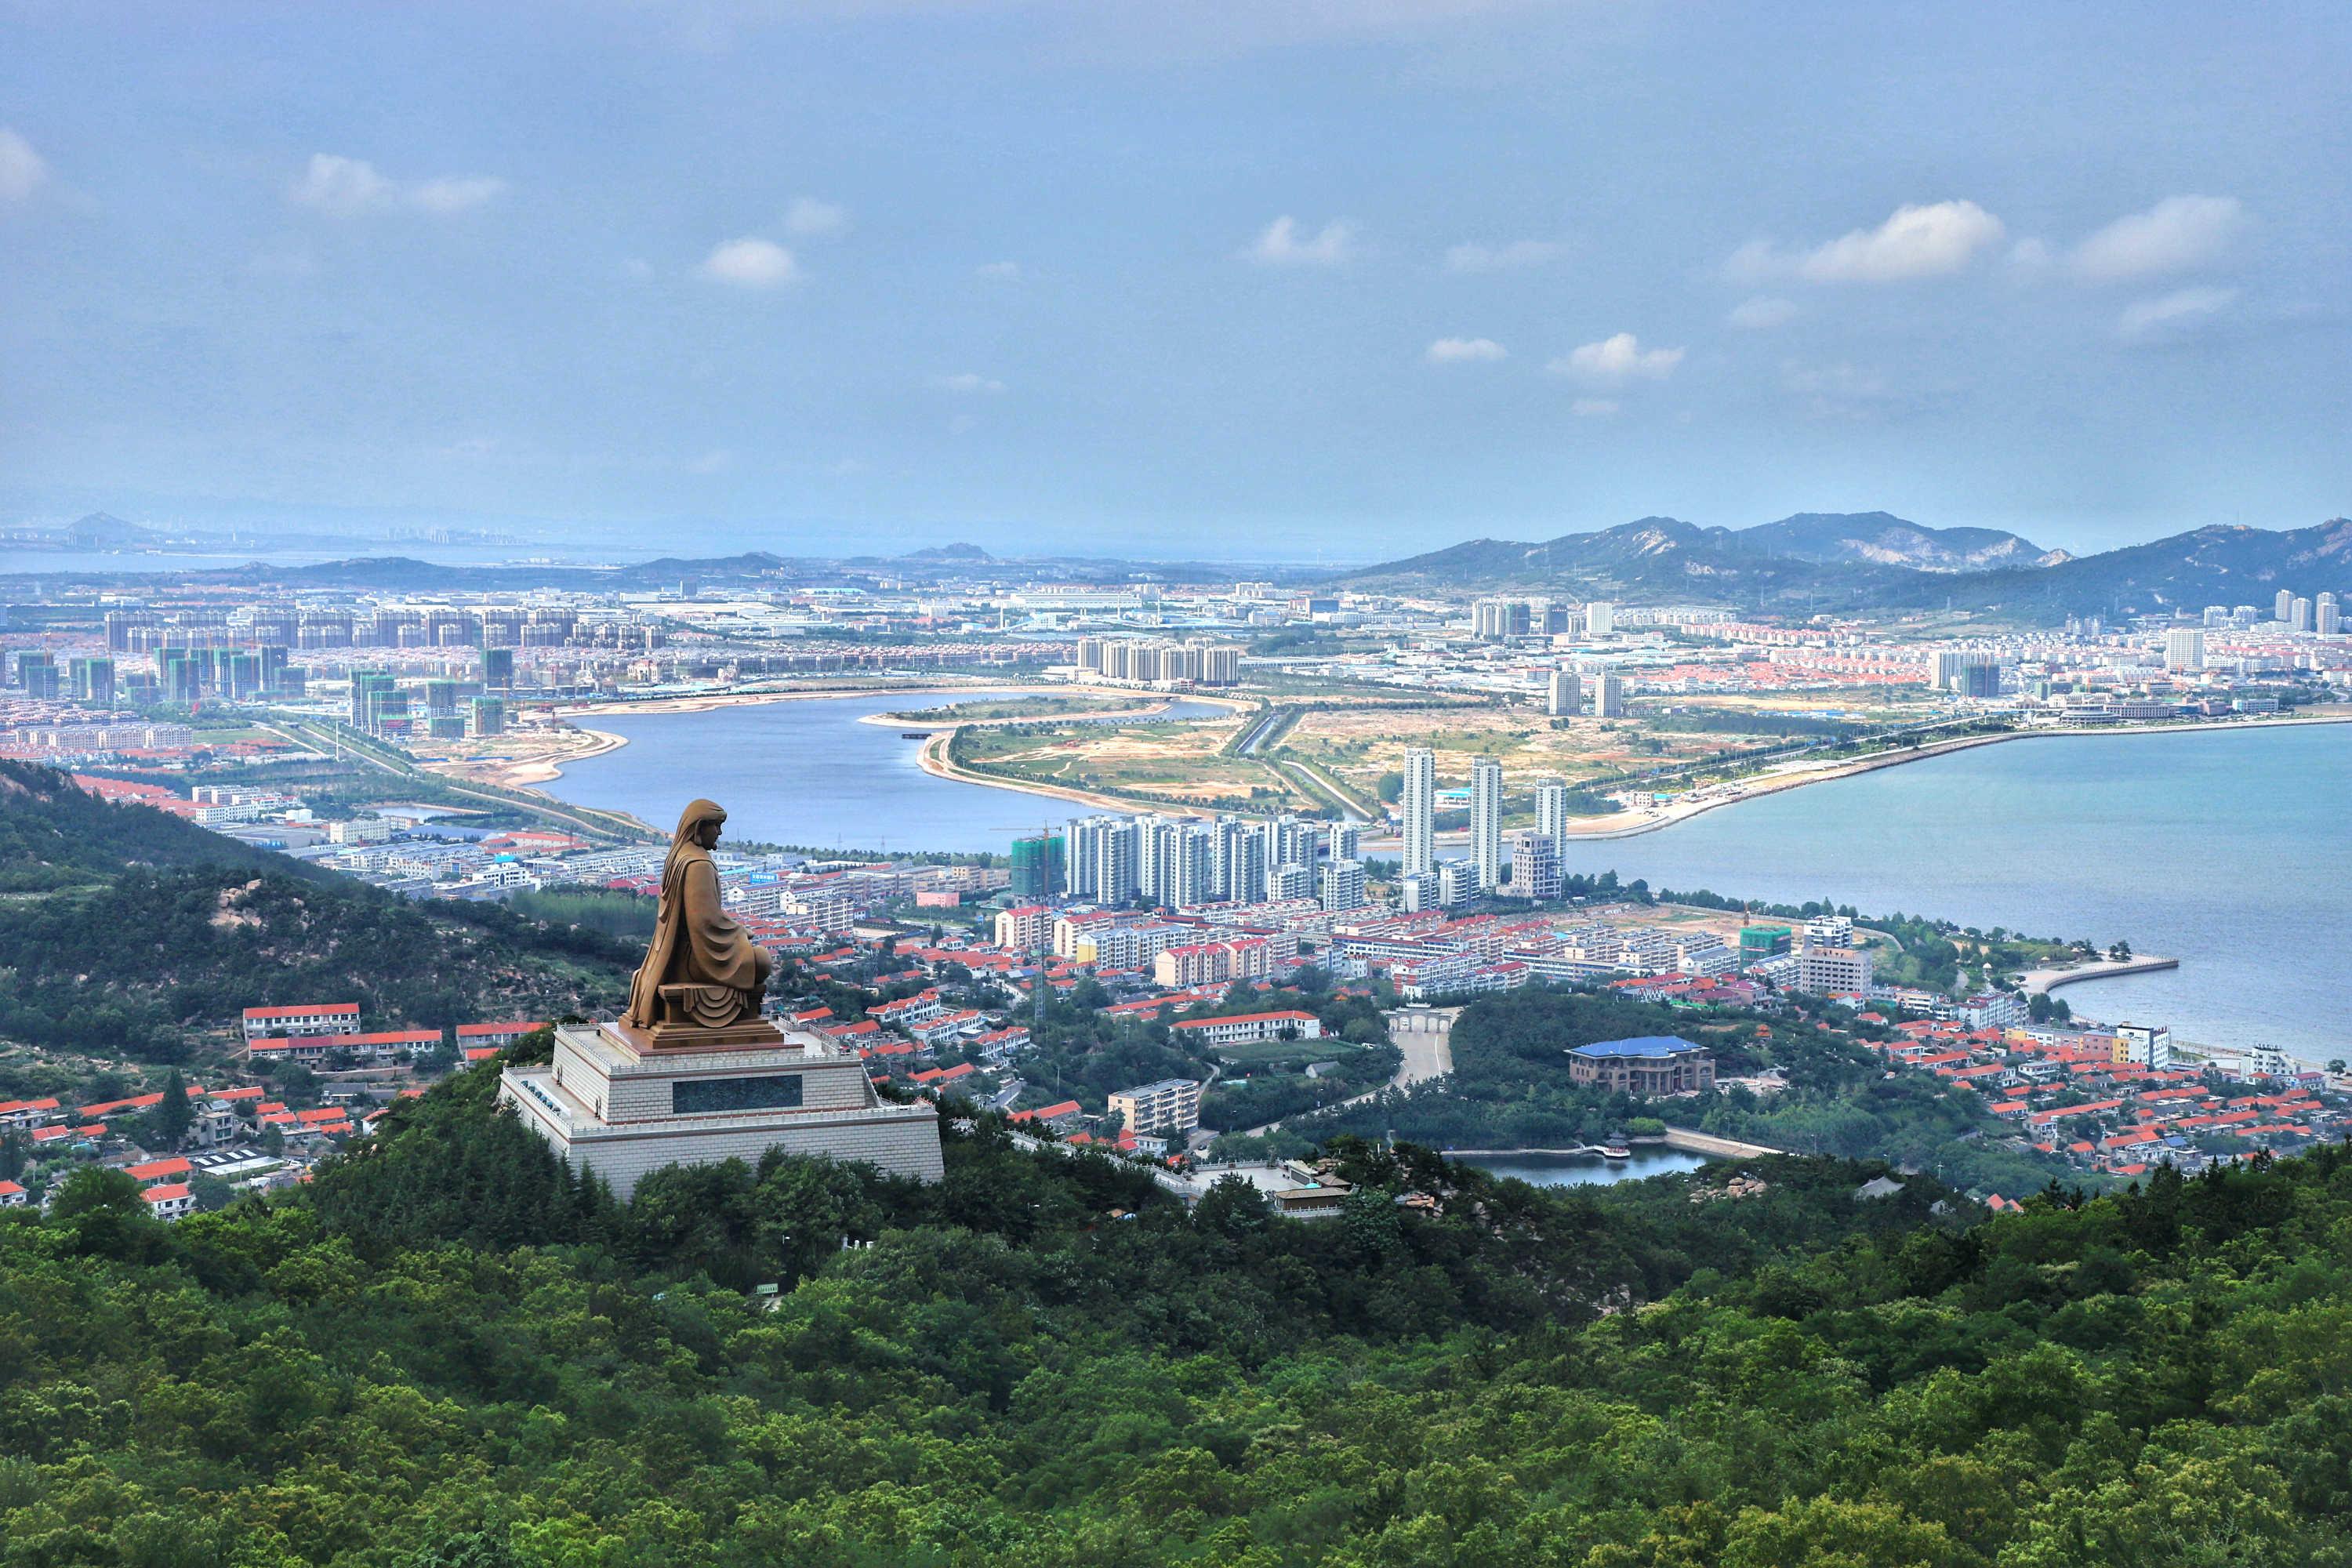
(1180, 861)
(1429, 879)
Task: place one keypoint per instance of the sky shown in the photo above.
(1298, 281)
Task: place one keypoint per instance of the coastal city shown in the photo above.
(1303, 821)
(1033, 783)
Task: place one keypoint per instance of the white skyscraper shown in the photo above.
(2184, 648)
(2327, 615)
(1564, 696)
(1420, 802)
(2298, 616)
(1486, 822)
(1600, 618)
(2283, 605)
(1103, 859)
(1551, 810)
(1609, 698)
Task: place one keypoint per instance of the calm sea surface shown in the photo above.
(807, 772)
(1588, 1170)
(2227, 850)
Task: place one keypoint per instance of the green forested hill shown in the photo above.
(448, 1355)
(125, 929)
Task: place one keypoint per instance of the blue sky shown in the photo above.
(1334, 280)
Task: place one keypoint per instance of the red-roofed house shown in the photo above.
(12, 1197)
(171, 1201)
(158, 1170)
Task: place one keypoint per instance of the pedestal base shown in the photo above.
(619, 1102)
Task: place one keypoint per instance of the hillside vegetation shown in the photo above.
(151, 932)
(448, 1353)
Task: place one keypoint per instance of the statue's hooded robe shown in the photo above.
(695, 942)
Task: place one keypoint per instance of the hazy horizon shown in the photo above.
(1328, 282)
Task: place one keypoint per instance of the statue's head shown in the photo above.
(700, 822)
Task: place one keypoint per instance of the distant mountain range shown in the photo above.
(1853, 561)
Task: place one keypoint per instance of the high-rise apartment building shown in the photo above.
(1486, 822)
(1101, 859)
(1496, 620)
(1600, 618)
(1563, 698)
(1420, 802)
(2327, 616)
(1037, 866)
(1551, 810)
(2298, 614)
(2282, 605)
(1608, 697)
(92, 681)
(2184, 648)
(1343, 885)
(1535, 865)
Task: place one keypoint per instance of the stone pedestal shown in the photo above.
(619, 1102)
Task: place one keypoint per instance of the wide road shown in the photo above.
(1428, 1053)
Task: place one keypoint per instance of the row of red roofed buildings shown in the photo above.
(2079, 1094)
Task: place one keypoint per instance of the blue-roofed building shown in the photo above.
(1647, 1064)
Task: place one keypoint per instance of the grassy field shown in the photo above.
(1284, 1055)
(1178, 764)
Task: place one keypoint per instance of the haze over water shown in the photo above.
(2218, 849)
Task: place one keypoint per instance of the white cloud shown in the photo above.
(2180, 233)
(2181, 310)
(341, 187)
(1465, 350)
(1283, 243)
(997, 271)
(351, 187)
(22, 170)
(1616, 359)
(1761, 314)
(1931, 240)
(751, 263)
(968, 383)
(813, 219)
(2030, 255)
(1593, 407)
(456, 193)
(1510, 257)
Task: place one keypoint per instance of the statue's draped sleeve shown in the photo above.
(719, 951)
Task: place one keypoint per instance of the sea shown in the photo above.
(2227, 849)
(807, 773)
